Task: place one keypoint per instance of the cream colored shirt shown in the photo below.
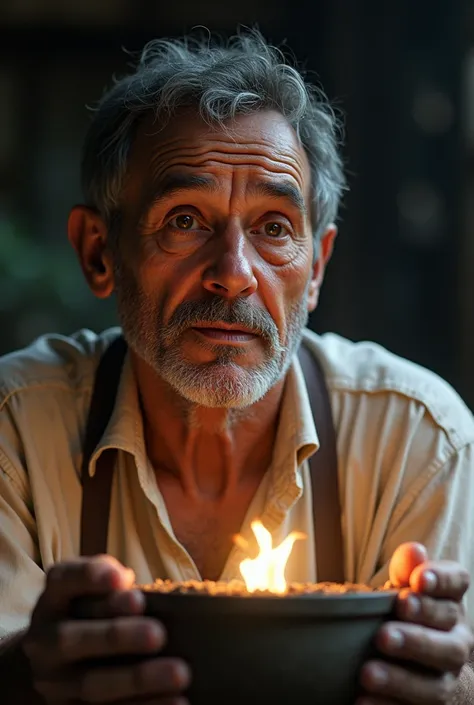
(406, 468)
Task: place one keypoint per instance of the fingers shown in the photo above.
(72, 641)
(430, 612)
(156, 676)
(390, 681)
(119, 603)
(60, 649)
(152, 677)
(441, 651)
(444, 579)
(404, 561)
(410, 567)
(84, 576)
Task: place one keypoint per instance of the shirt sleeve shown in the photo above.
(21, 575)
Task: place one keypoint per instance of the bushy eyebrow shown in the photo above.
(177, 184)
(279, 190)
(174, 185)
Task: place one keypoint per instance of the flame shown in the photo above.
(267, 570)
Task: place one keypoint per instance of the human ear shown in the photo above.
(322, 257)
(87, 233)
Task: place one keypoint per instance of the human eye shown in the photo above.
(273, 229)
(185, 222)
(182, 230)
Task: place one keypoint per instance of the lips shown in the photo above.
(236, 328)
(225, 332)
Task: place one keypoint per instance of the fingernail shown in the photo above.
(156, 635)
(182, 674)
(378, 675)
(137, 599)
(395, 639)
(430, 581)
(413, 605)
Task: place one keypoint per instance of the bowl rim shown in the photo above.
(321, 605)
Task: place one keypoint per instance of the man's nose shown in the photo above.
(230, 273)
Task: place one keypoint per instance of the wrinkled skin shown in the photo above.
(215, 229)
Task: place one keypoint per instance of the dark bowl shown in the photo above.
(272, 650)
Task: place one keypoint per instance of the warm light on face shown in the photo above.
(267, 570)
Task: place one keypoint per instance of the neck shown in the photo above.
(211, 451)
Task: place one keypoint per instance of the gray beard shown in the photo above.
(221, 383)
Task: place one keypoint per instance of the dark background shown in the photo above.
(402, 72)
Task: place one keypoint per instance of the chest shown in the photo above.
(209, 541)
(206, 529)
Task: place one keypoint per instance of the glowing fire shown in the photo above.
(267, 570)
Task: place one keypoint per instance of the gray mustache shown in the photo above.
(218, 310)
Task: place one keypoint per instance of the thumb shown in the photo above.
(404, 561)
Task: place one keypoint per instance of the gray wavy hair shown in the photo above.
(222, 80)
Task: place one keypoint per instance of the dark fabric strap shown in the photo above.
(323, 468)
(97, 490)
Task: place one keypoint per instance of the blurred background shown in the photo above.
(403, 73)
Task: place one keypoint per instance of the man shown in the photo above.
(212, 181)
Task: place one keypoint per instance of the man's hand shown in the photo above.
(58, 647)
(432, 640)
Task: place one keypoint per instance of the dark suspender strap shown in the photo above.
(97, 490)
(324, 476)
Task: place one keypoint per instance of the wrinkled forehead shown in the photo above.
(263, 140)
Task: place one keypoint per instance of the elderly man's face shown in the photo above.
(214, 275)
